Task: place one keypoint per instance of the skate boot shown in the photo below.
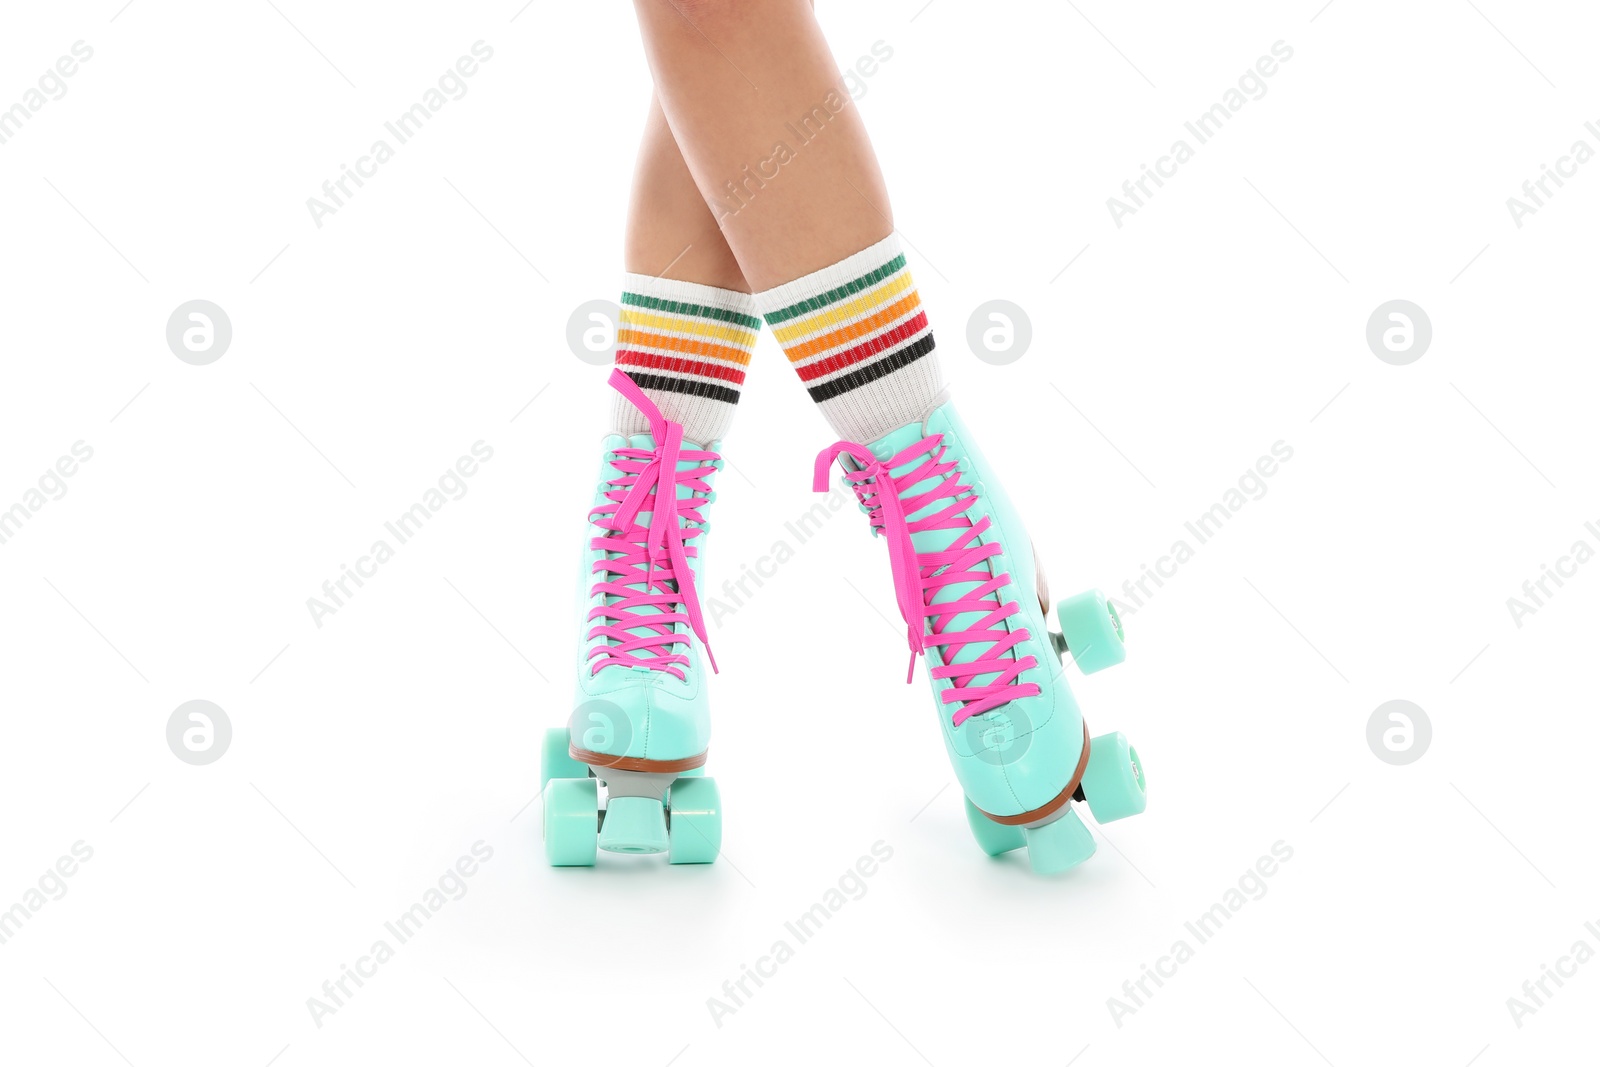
(641, 722)
(974, 601)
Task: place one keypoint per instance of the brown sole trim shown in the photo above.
(1060, 799)
(633, 763)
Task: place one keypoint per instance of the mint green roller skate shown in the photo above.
(974, 600)
(641, 724)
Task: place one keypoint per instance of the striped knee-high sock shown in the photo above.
(687, 346)
(858, 336)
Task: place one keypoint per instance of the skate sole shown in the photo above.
(634, 763)
(1050, 807)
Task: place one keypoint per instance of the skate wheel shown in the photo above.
(1092, 631)
(994, 838)
(1060, 845)
(1113, 782)
(571, 819)
(635, 825)
(555, 759)
(694, 821)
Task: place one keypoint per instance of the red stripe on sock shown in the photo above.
(863, 352)
(716, 371)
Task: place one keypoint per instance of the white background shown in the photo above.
(368, 754)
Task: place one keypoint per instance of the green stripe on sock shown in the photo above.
(700, 311)
(833, 296)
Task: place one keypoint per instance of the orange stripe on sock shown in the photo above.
(854, 330)
(639, 338)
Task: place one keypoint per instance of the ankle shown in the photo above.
(857, 335)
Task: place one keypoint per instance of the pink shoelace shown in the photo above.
(918, 577)
(648, 567)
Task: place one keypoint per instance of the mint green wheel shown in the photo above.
(1060, 845)
(694, 821)
(994, 838)
(571, 820)
(1113, 782)
(1092, 631)
(555, 760)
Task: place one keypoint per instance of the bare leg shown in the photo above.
(788, 170)
(688, 322)
(790, 173)
(670, 232)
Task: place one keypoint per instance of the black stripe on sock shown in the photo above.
(686, 386)
(903, 357)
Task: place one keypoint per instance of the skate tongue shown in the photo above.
(895, 442)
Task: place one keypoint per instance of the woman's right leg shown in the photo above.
(640, 722)
(689, 322)
(671, 232)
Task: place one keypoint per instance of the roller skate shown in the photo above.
(641, 723)
(974, 599)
